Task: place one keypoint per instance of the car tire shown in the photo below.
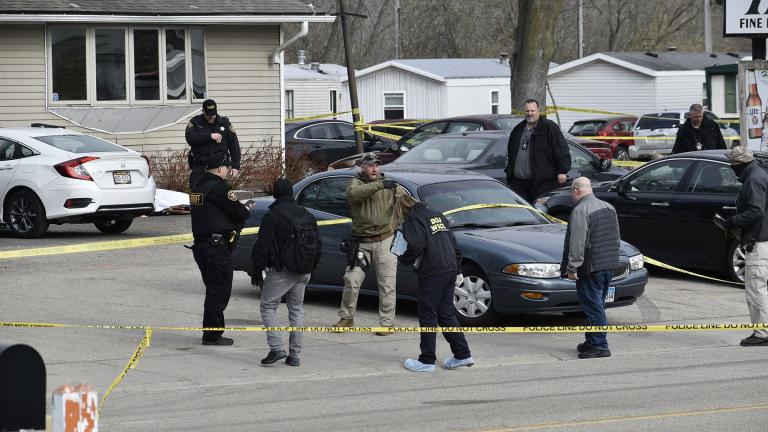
(621, 153)
(113, 226)
(472, 299)
(734, 263)
(25, 215)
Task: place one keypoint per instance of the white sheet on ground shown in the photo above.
(166, 198)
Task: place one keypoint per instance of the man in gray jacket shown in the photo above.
(750, 219)
(590, 254)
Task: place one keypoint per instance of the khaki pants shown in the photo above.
(385, 263)
(756, 285)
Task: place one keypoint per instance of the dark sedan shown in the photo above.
(511, 254)
(327, 140)
(486, 153)
(665, 208)
(437, 127)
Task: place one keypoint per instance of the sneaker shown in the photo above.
(594, 353)
(218, 340)
(453, 362)
(754, 340)
(292, 361)
(583, 347)
(417, 366)
(273, 356)
(343, 322)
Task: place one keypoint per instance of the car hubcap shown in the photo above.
(23, 215)
(472, 298)
(738, 261)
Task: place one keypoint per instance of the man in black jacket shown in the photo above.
(432, 250)
(275, 231)
(538, 159)
(217, 218)
(698, 133)
(750, 218)
(209, 133)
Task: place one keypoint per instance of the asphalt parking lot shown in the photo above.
(348, 382)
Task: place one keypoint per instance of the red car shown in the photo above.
(608, 127)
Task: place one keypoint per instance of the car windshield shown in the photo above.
(586, 128)
(446, 196)
(80, 144)
(446, 150)
(658, 121)
(507, 123)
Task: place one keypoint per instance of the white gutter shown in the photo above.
(279, 50)
(163, 19)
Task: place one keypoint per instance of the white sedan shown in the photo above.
(54, 176)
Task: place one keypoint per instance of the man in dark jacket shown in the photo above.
(538, 159)
(209, 133)
(275, 232)
(750, 218)
(217, 218)
(698, 133)
(590, 253)
(432, 250)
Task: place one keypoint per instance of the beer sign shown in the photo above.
(753, 100)
(745, 18)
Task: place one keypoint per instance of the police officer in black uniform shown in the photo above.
(209, 133)
(217, 218)
(432, 250)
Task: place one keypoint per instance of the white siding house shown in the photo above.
(313, 89)
(631, 83)
(133, 72)
(432, 88)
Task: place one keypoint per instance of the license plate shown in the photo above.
(611, 295)
(122, 177)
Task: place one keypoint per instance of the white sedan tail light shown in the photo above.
(74, 168)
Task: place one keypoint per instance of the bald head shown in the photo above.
(580, 187)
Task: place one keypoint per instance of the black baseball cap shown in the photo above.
(209, 107)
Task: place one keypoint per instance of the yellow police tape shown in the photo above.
(181, 238)
(627, 163)
(319, 116)
(132, 362)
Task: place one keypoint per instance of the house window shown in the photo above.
(113, 65)
(394, 106)
(175, 64)
(730, 94)
(333, 100)
(197, 46)
(494, 101)
(68, 76)
(110, 65)
(289, 114)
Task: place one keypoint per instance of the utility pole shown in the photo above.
(707, 28)
(581, 27)
(351, 78)
(397, 29)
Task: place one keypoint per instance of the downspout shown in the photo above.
(277, 59)
(303, 32)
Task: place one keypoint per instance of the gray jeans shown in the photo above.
(291, 285)
(756, 289)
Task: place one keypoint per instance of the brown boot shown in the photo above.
(343, 322)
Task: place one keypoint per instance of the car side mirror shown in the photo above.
(623, 186)
(605, 164)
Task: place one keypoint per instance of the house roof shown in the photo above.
(155, 7)
(160, 11)
(327, 72)
(654, 64)
(444, 69)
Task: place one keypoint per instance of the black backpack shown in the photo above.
(302, 246)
